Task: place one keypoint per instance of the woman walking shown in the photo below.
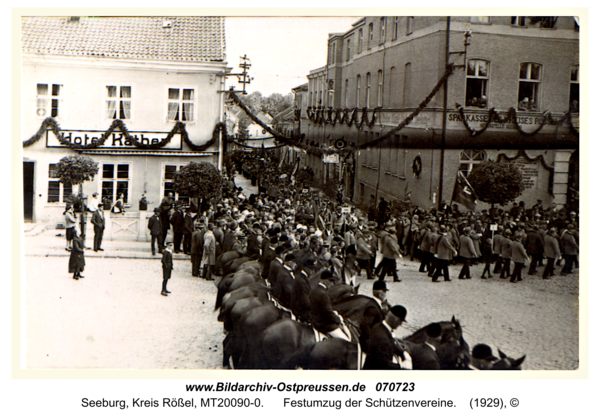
(70, 221)
(77, 260)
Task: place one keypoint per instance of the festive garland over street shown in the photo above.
(118, 124)
(512, 117)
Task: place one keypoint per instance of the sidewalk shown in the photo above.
(52, 243)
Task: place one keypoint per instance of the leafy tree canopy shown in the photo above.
(199, 180)
(496, 183)
(75, 169)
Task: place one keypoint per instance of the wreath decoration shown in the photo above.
(417, 166)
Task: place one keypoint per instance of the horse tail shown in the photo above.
(299, 359)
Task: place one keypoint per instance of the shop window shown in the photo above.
(168, 182)
(530, 80)
(371, 35)
(574, 90)
(477, 83)
(517, 21)
(469, 158)
(395, 28)
(181, 105)
(57, 191)
(381, 30)
(118, 102)
(379, 88)
(368, 89)
(48, 100)
(115, 182)
(360, 40)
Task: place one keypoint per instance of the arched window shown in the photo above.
(380, 88)
(368, 87)
(360, 41)
(381, 30)
(470, 157)
(371, 35)
(407, 84)
(358, 91)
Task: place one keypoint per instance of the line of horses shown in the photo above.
(266, 320)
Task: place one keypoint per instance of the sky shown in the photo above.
(282, 50)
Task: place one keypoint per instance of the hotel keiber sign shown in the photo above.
(116, 140)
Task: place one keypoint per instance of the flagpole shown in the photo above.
(445, 112)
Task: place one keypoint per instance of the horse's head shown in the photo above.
(507, 363)
(453, 350)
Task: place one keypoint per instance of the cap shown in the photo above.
(379, 285)
(399, 311)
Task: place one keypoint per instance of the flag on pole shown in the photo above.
(464, 192)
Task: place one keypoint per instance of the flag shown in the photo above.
(463, 192)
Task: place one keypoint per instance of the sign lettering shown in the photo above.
(117, 140)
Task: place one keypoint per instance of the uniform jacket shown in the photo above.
(154, 225)
(551, 247)
(518, 253)
(506, 247)
(390, 247)
(466, 250)
(445, 250)
(496, 244)
(569, 244)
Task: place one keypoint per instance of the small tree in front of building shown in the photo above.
(74, 170)
(496, 182)
(199, 180)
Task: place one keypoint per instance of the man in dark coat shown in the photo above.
(444, 253)
(519, 256)
(323, 318)
(99, 223)
(167, 267)
(76, 258)
(165, 207)
(467, 253)
(384, 352)
(534, 245)
(188, 230)
(570, 248)
(178, 228)
(155, 227)
(197, 248)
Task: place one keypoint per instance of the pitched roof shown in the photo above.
(195, 39)
(287, 114)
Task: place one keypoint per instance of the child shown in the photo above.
(167, 266)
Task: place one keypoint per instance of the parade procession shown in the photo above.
(412, 205)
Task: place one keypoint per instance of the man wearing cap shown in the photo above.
(534, 245)
(229, 236)
(519, 256)
(167, 267)
(466, 252)
(380, 295)
(383, 351)
(444, 253)
(165, 207)
(254, 240)
(208, 255)
(98, 221)
(390, 251)
(482, 357)
(188, 230)
(570, 249)
(197, 247)
(178, 226)
(552, 251)
(506, 252)
(154, 225)
(424, 355)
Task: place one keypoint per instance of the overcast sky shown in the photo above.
(282, 50)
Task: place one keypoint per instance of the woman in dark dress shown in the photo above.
(77, 260)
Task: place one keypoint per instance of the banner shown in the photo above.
(463, 192)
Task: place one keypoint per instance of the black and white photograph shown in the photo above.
(363, 192)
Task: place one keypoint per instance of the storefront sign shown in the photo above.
(116, 140)
(331, 158)
(477, 120)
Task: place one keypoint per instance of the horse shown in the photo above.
(224, 259)
(507, 363)
(234, 281)
(256, 289)
(281, 340)
(328, 354)
(452, 350)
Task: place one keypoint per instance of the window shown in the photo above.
(48, 100)
(371, 34)
(409, 24)
(346, 93)
(118, 102)
(115, 181)
(393, 160)
(57, 191)
(381, 30)
(480, 19)
(368, 88)
(407, 84)
(477, 83)
(530, 79)
(379, 88)
(181, 105)
(358, 91)
(168, 181)
(395, 29)
(468, 159)
(332, 53)
(517, 20)
(574, 92)
(360, 40)
(348, 50)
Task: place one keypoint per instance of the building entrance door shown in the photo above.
(28, 172)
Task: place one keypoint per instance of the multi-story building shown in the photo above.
(142, 92)
(380, 72)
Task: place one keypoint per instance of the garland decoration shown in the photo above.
(118, 124)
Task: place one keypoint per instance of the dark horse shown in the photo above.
(452, 350)
(507, 363)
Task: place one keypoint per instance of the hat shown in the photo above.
(399, 311)
(483, 352)
(379, 285)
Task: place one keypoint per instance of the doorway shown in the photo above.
(28, 173)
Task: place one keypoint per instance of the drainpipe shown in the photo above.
(221, 112)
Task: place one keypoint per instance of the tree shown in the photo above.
(496, 183)
(199, 180)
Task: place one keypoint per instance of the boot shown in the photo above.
(203, 276)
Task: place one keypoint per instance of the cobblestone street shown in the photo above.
(116, 318)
